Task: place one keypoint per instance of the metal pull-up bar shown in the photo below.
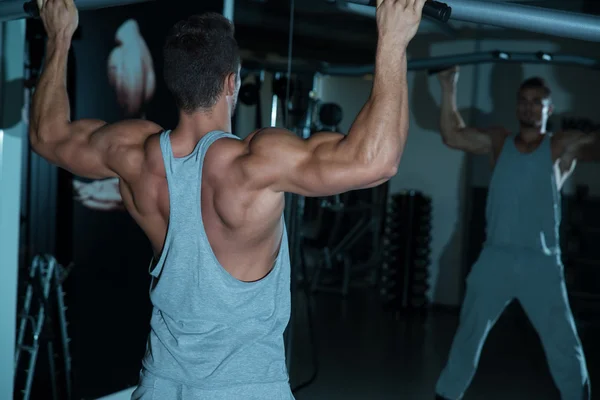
(443, 62)
(434, 9)
(507, 15)
(535, 19)
(434, 64)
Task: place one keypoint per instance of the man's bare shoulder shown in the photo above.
(153, 153)
(262, 141)
(498, 132)
(267, 141)
(118, 146)
(242, 163)
(138, 141)
(271, 132)
(221, 157)
(498, 136)
(134, 131)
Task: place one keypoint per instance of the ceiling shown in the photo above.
(322, 32)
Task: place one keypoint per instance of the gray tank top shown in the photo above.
(208, 329)
(523, 205)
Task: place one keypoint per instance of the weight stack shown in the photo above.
(404, 278)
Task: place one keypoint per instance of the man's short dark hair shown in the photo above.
(199, 53)
(536, 83)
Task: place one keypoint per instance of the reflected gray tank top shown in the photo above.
(523, 205)
(208, 329)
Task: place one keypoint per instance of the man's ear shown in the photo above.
(231, 84)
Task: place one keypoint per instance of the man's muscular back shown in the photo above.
(243, 225)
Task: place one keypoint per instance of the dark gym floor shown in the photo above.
(366, 353)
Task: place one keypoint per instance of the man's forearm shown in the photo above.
(379, 132)
(50, 111)
(450, 119)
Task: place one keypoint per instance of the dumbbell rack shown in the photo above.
(35, 324)
(404, 278)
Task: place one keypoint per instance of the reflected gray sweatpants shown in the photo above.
(537, 281)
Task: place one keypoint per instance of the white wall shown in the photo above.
(12, 138)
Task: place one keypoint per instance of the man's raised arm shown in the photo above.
(331, 163)
(89, 148)
(578, 145)
(455, 133)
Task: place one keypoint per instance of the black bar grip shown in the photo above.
(31, 9)
(433, 9)
(437, 10)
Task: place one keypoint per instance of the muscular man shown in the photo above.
(131, 74)
(211, 204)
(521, 256)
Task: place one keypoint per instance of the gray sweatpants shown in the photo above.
(537, 282)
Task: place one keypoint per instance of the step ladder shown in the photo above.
(35, 326)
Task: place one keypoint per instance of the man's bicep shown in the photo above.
(577, 145)
(473, 140)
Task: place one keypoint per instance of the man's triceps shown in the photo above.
(98, 150)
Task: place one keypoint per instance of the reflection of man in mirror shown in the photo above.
(131, 74)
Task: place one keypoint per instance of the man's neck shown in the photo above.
(531, 134)
(198, 124)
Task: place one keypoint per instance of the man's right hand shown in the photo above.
(455, 133)
(60, 18)
(398, 20)
(449, 77)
